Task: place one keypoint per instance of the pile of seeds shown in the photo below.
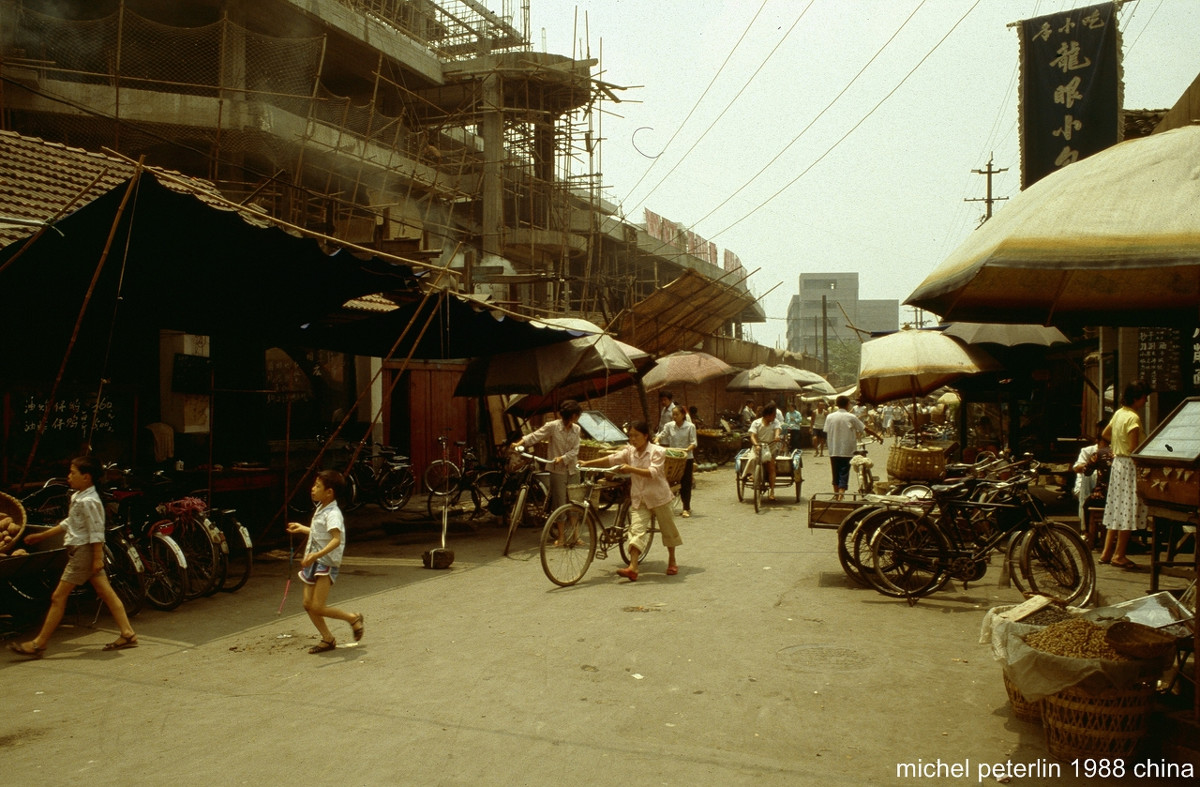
(1076, 639)
(1046, 616)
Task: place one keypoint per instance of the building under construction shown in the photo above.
(427, 130)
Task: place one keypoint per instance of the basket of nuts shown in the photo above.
(12, 522)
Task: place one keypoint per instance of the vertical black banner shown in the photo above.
(1071, 88)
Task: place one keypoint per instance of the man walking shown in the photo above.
(842, 430)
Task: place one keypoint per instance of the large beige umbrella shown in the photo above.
(764, 378)
(686, 367)
(1116, 235)
(912, 363)
(1012, 335)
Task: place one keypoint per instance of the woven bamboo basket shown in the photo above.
(1022, 708)
(1097, 724)
(575, 493)
(11, 507)
(588, 452)
(1138, 641)
(674, 464)
(909, 463)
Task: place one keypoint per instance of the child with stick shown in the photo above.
(322, 557)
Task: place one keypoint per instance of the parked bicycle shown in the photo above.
(525, 493)
(385, 478)
(132, 510)
(575, 533)
(916, 550)
(446, 497)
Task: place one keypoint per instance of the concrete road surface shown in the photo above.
(758, 664)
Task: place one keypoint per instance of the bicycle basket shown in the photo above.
(576, 492)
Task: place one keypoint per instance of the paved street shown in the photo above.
(757, 664)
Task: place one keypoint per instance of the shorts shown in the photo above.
(308, 575)
(819, 433)
(78, 570)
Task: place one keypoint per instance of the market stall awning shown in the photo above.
(679, 315)
(176, 262)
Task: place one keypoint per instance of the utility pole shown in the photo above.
(989, 199)
(825, 332)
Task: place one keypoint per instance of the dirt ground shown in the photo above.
(758, 664)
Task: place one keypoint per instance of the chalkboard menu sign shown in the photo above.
(1160, 358)
(69, 422)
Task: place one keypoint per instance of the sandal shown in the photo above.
(29, 653)
(672, 570)
(1127, 564)
(122, 642)
(628, 573)
(324, 646)
(357, 627)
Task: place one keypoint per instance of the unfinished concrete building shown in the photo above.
(427, 129)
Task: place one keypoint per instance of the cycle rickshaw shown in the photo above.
(789, 470)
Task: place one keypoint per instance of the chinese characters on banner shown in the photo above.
(1070, 88)
(68, 415)
(1160, 351)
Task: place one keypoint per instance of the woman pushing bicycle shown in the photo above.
(563, 436)
(649, 495)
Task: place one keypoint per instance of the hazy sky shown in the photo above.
(794, 177)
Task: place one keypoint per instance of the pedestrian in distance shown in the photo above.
(666, 401)
(649, 496)
(747, 415)
(563, 437)
(84, 528)
(323, 557)
(764, 431)
(1124, 509)
(682, 435)
(843, 430)
(819, 416)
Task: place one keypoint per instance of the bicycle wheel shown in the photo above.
(201, 555)
(1056, 562)
(241, 553)
(396, 489)
(845, 546)
(515, 515)
(356, 487)
(441, 476)
(568, 544)
(166, 576)
(908, 553)
(757, 480)
(126, 574)
(740, 477)
(484, 489)
(435, 502)
(623, 544)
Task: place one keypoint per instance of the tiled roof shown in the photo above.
(38, 179)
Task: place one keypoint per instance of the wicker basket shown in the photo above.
(1109, 723)
(575, 493)
(1022, 708)
(588, 452)
(10, 506)
(1138, 641)
(916, 464)
(674, 464)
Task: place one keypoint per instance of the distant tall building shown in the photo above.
(840, 292)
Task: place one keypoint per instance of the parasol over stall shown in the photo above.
(911, 363)
(1114, 236)
(1006, 335)
(687, 367)
(764, 378)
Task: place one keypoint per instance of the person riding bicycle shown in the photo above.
(764, 431)
(649, 495)
(563, 438)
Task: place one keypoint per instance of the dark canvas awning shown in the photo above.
(175, 262)
(680, 315)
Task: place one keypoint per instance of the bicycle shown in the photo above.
(239, 553)
(165, 566)
(525, 493)
(916, 553)
(748, 469)
(386, 478)
(203, 545)
(483, 484)
(574, 533)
